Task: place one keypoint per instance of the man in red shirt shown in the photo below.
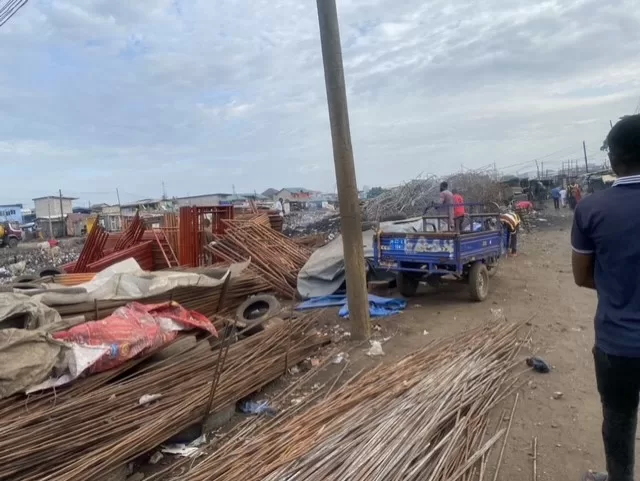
(459, 210)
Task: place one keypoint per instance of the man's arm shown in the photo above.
(583, 265)
(583, 256)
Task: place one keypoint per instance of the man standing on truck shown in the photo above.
(459, 210)
(606, 255)
(447, 202)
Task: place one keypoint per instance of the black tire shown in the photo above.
(256, 310)
(50, 271)
(26, 278)
(493, 268)
(407, 284)
(478, 282)
(12, 242)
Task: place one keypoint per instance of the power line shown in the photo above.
(10, 9)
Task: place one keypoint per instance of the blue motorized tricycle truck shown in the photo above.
(470, 252)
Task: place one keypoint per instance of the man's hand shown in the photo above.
(582, 266)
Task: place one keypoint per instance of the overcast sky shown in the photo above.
(208, 94)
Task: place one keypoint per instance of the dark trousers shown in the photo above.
(513, 242)
(556, 203)
(458, 221)
(618, 381)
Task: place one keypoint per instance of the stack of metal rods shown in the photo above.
(273, 255)
(92, 250)
(89, 435)
(142, 252)
(132, 235)
(423, 418)
(205, 300)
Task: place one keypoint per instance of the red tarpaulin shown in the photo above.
(133, 330)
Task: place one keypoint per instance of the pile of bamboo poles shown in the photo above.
(273, 255)
(85, 436)
(424, 418)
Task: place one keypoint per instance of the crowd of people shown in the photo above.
(566, 196)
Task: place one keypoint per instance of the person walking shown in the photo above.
(606, 255)
(555, 195)
(563, 197)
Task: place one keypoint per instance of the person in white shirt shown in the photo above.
(280, 207)
(563, 197)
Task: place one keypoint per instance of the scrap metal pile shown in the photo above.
(275, 257)
(426, 417)
(96, 256)
(412, 198)
(90, 429)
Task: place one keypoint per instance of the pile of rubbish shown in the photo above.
(412, 198)
(312, 222)
(32, 259)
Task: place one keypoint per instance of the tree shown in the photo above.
(374, 192)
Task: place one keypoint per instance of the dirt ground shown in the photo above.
(537, 286)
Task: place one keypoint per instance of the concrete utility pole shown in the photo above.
(64, 225)
(586, 163)
(350, 215)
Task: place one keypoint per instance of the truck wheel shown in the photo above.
(12, 243)
(407, 284)
(493, 268)
(478, 282)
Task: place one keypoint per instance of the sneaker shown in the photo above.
(591, 476)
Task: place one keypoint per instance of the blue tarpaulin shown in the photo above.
(378, 306)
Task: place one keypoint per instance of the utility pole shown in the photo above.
(119, 210)
(586, 163)
(64, 225)
(50, 224)
(542, 169)
(350, 215)
(537, 170)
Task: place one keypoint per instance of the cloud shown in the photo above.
(97, 95)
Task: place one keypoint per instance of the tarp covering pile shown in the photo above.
(34, 360)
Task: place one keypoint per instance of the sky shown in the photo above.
(210, 96)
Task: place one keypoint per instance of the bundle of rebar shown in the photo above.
(423, 418)
(205, 300)
(274, 256)
(88, 435)
(92, 249)
(132, 235)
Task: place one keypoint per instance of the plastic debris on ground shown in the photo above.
(340, 358)
(256, 407)
(185, 450)
(375, 349)
(538, 365)
(148, 399)
(378, 306)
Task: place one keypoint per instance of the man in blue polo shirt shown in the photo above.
(606, 257)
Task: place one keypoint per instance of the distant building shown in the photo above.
(295, 194)
(49, 206)
(206, 200)
(271, 194)
(11, 213)
(146, 207)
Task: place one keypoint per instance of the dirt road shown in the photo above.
(537, 285)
